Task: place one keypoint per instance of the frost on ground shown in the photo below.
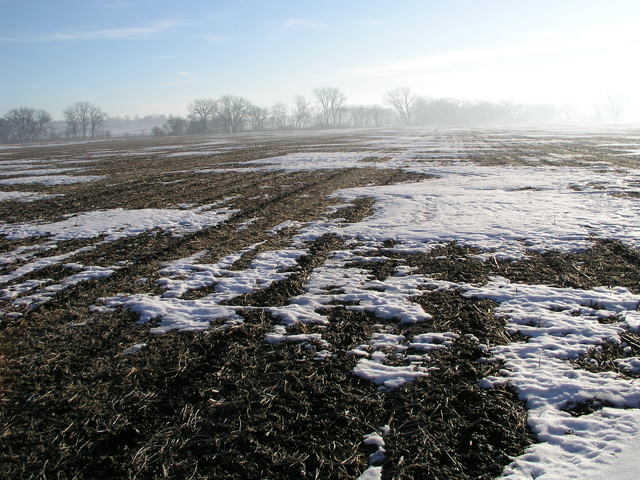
(501, 212)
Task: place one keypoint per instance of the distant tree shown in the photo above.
(42, 123)
(158, 131)
(404, 103)
(377, 114)
(615, 107)
(197, 126)
(81, 112)
(96, 120)
(83, 119)
(201, 112)
(440, 111)
(72, 121)
(331, 104)
(176, 125)
(257, 117)
(509, 112)
(301, 112)
(359, 116)
(27, 124)
(5, 131)
(233, 112)
(279, 115)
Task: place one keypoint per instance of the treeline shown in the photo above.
(81, 120)
(230, 113)
(24, 125)
(329, 109)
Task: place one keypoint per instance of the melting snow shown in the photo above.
(50, 179)
(118, 223)
(503, 210)
(25, 196)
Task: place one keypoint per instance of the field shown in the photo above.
(419, 304)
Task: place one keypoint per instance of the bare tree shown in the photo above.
(82, 111)
(377, 114)
(301, 112)
(257, 117)
(27, 124)
(5, 130)
(233, 111)
(41, 124)
(72, 120)
(331, 101)
(404, 102)
(83, 118)
(176, 125)
(202, 111)
(615, 107)
(158, 131)
(96, 120)
(279, 115)
(359, 116)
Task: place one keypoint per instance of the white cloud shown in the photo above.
(99, 34)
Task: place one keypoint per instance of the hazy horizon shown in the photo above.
(140, 57)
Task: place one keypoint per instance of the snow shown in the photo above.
(622, 465)
(193, 153)
(133, 349)
(37, 264)
(467, 205)
(38, 171)
(175, 313)
(107, 226)
(371, 473)
(387, 376)
(285, 225)
(25, 196)
(119, 222)
(40, 145)
(562, 324)
(43, 295)
(305, 161)
(50, 179)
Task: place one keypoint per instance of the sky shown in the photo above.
(140, 57)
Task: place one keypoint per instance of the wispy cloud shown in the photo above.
(558, 66)
(99, 34)
(546, 45)
(303, 24)
(184, 78)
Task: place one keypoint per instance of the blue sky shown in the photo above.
(143, 56)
